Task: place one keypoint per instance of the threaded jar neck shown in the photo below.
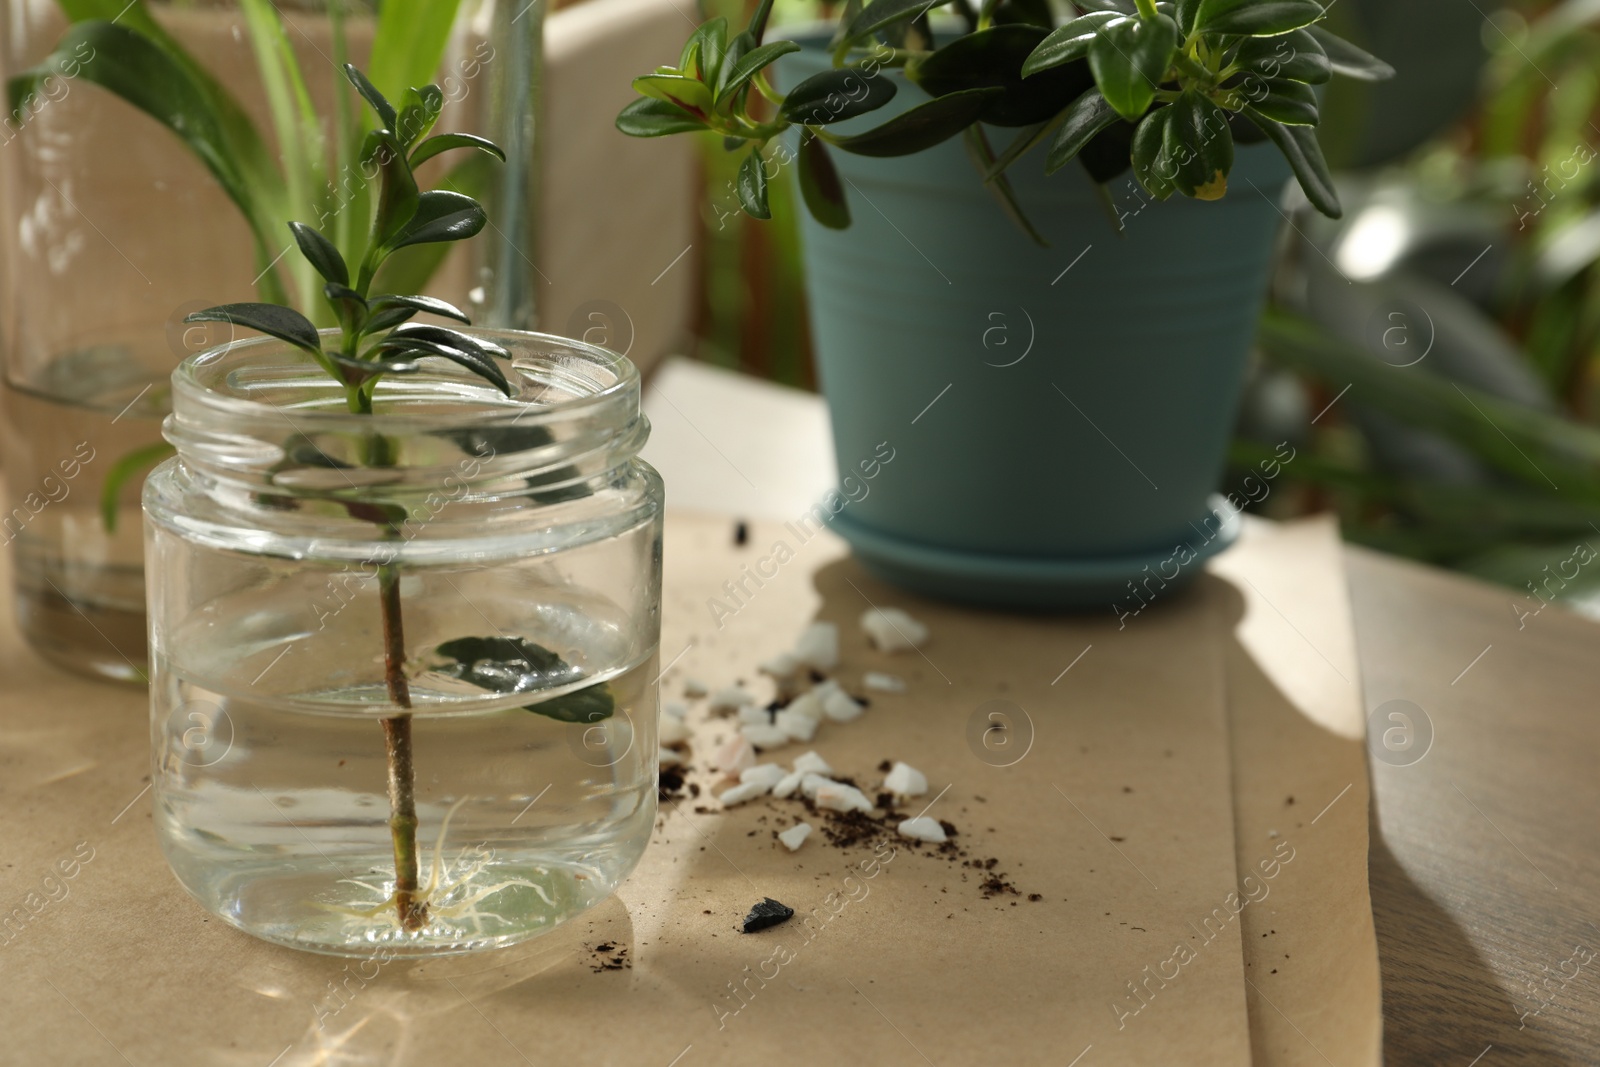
(262, 415)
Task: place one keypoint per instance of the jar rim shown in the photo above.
(201, 383)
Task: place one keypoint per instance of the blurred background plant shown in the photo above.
(1432, 355)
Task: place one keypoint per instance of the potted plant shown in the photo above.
(438, 536)
(1064, 386)
(116, 230)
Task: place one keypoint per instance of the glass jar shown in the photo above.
(112, 231)
(403, 665)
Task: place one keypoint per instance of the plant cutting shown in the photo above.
(1071, 409)
(1161, 88)
(376, 340)
(358, 484)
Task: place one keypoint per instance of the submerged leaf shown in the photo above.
(517, 665)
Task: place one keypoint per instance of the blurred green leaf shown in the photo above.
(1259, 17)
(752, 185)
(836, 95)
(649, 117)
(1083, 118)
(922, 127)
(820, 186)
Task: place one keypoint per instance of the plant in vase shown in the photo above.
(95, 371)
(1132, 363)
(352, 488)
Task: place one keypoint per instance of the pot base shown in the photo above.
(1033, 583)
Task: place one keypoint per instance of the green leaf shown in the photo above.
(880, 14)
(349, 306)
(376, 100)
(202, 110)
(320, 253)
(752, 185)
(398, 196)
(1183, 14)
(1130, 59)
(1260, 18)
(836, 95)
(982, 154)
(1083, 118)
(1347, 59)
(820, 186)
(689, 94)
(447, 141)
(993, 58)
(656, 118)
(703, 53)
(1198, 139)
(408, 47)
(145, 75)
(758, 20)
(442, 216)
(1295, 56)
(445, 335)
(1300, 147)
(420, 303)
(922, 127)
(1151, 164)
(750, 64)
(1070, 42)
(407, 270)
(590, 704)
(124, 470)
(286, 324)
(393, 352)
(419, 111)
(1292, 103)
(517, 665)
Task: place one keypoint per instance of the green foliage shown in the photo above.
(118, 46)
(1160, 87)
(375, 339)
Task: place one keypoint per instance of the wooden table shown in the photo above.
(1485, 862)
(1483, 866)
(1485, 853)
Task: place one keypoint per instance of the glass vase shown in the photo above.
(111, 232)
(403, 664)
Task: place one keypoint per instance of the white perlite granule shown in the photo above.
(730, 698)
(836, 796)
(742, 792)
(904, 780)
(811, 763)
(883, 683)
(892, 630)
(673, 731)
(923, 828)
(766, 774)
(765, 736)
(795, 836)
(694, 688)
(734, 756)
(675, 708)
(818, 646)
(799, 727)
(841, 707)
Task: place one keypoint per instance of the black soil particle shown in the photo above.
(609, 956)
(741, 533)
(765, 913)
(995, 885)
(669, 784)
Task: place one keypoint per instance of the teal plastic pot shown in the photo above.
(1058, 417)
